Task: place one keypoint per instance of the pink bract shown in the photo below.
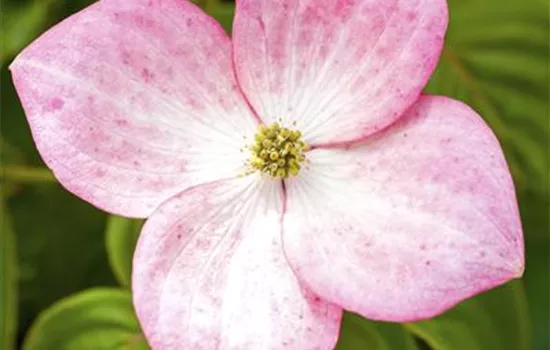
(404, 208)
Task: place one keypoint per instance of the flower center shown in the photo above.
(277, 152)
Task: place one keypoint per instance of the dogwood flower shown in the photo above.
(287, 174)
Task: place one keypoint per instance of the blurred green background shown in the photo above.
(64, 266)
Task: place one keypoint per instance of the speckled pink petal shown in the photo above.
(340, 69)
(410, 223)
(130, 102)
(210, 273)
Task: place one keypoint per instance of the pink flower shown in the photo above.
(374, 199)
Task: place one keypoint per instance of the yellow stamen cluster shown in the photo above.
(277, 151)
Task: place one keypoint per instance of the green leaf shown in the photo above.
(21, 24)
(497, 319)
(15, 129)
(97, 319)
(496, 60)
(8, 155)
(121, 238)
(61, 247)
(536, 224)
(8, 281)
(358, 333)
(537, 282)
(224, 15)
(24, 20)
(222, 11)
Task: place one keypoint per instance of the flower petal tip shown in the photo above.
(518, 269)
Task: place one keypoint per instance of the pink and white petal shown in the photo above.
(340, 69)
(410, 223)
(130, 102)
(210, 273)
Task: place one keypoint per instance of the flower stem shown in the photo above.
(24, 174)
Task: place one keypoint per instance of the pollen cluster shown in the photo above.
(278, 152)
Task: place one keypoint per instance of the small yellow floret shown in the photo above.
(277, 151)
